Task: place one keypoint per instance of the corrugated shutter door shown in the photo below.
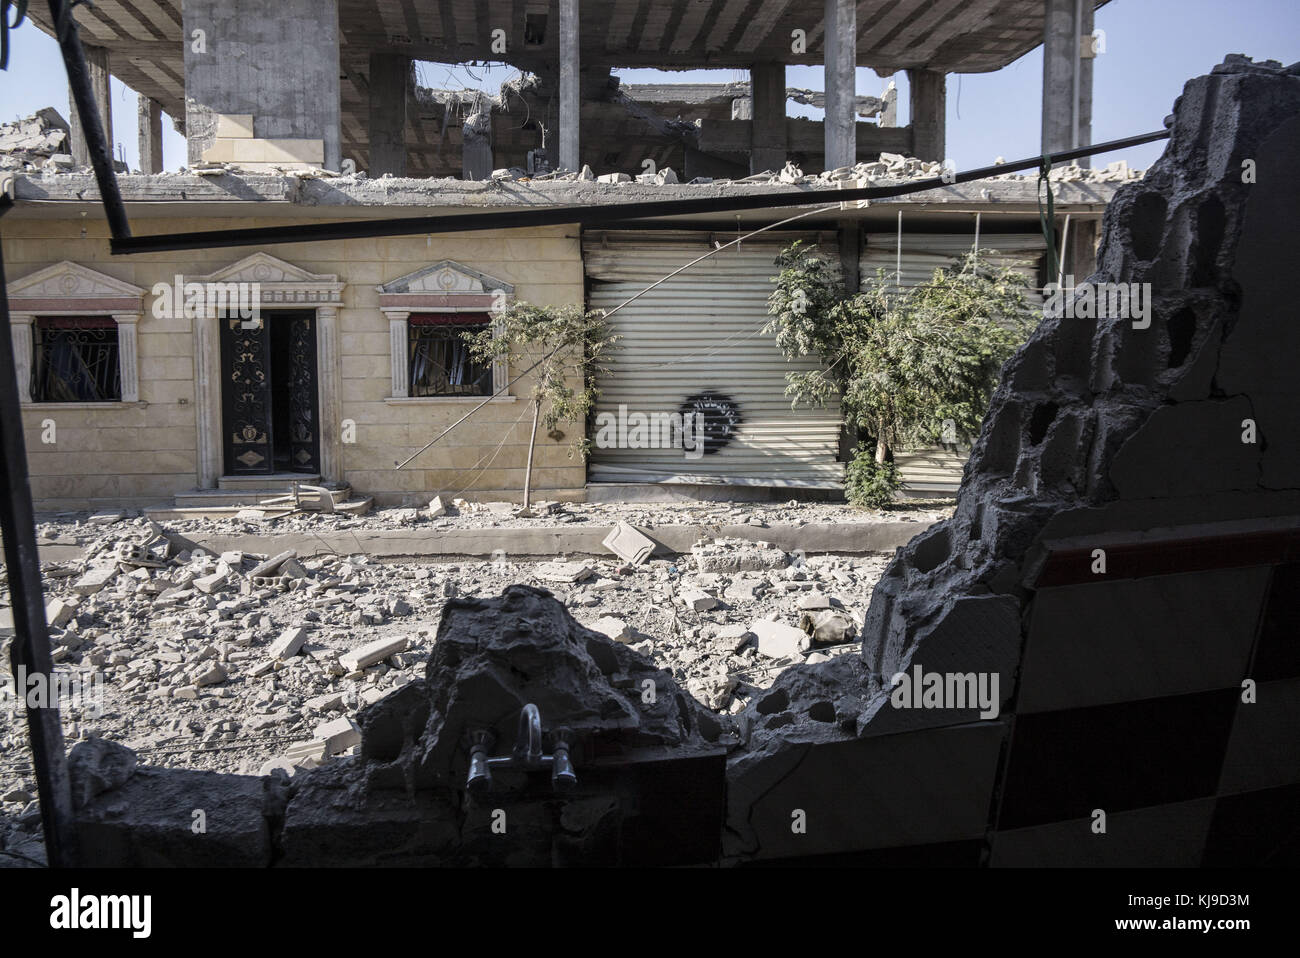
(923, 253)
(936, 471)
(699, 335)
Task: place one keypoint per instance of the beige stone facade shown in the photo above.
(162, 439)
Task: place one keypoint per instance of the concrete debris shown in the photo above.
(738, 555)
(563, 572)
(779, 641)
(270, 566)
(94, 580)
(339, 735)
(630, 545)
(288, 644)
(368, 655)
(436, 508)
(614, 628)
(33, 140)
(697, 600)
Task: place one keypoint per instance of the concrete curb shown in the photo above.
(523, 543)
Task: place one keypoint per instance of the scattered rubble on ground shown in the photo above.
(248, 662)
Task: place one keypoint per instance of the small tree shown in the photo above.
(566, 348)
(903, 362)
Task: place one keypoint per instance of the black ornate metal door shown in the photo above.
(246, 396)
(304, 429)
(269, 396)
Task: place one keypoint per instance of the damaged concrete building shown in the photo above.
(1118, 586)
(361, 362)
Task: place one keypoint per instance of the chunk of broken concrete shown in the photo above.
(563, 571)
(289, 643)
(616, 628)
(270, 565)
(779, 641)
(95, 579)
(339, 735)
(628, 544)
(698, 600)
(369, 654)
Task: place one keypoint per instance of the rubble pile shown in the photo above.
(249, 662)
(35, 142)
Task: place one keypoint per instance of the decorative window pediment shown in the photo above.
(446, 277)
(446, 285)
(280, 283)
(69, 287)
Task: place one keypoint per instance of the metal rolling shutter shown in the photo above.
(936, 471)
(700, 333)
(925, 252)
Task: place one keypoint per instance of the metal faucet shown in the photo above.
(527, 754)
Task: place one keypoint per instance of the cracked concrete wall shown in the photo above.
(1123, 687)
(1103, 433)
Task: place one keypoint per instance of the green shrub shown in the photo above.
(870, 483)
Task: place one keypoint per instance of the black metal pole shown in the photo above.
(31, 646)
(92, 124)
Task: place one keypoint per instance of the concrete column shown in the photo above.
(1067, 76)
(281, 57)
(1085, 80)
(570, 99)
(767, 109)
(97, 65)
(929, 101)
(889, 112)
(149, 124)
(389, 78)
(840, 67)
(476, 145)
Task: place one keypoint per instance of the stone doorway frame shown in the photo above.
(282, 285)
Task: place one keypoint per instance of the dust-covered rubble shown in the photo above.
(247, 662)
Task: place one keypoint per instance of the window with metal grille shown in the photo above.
(440, 361)
(75, 359)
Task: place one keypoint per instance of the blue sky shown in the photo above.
(1152, 48)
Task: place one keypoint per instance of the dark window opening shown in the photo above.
(535, 29)
(75, 359)
(440, 360)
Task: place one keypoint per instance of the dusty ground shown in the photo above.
(189, 680)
